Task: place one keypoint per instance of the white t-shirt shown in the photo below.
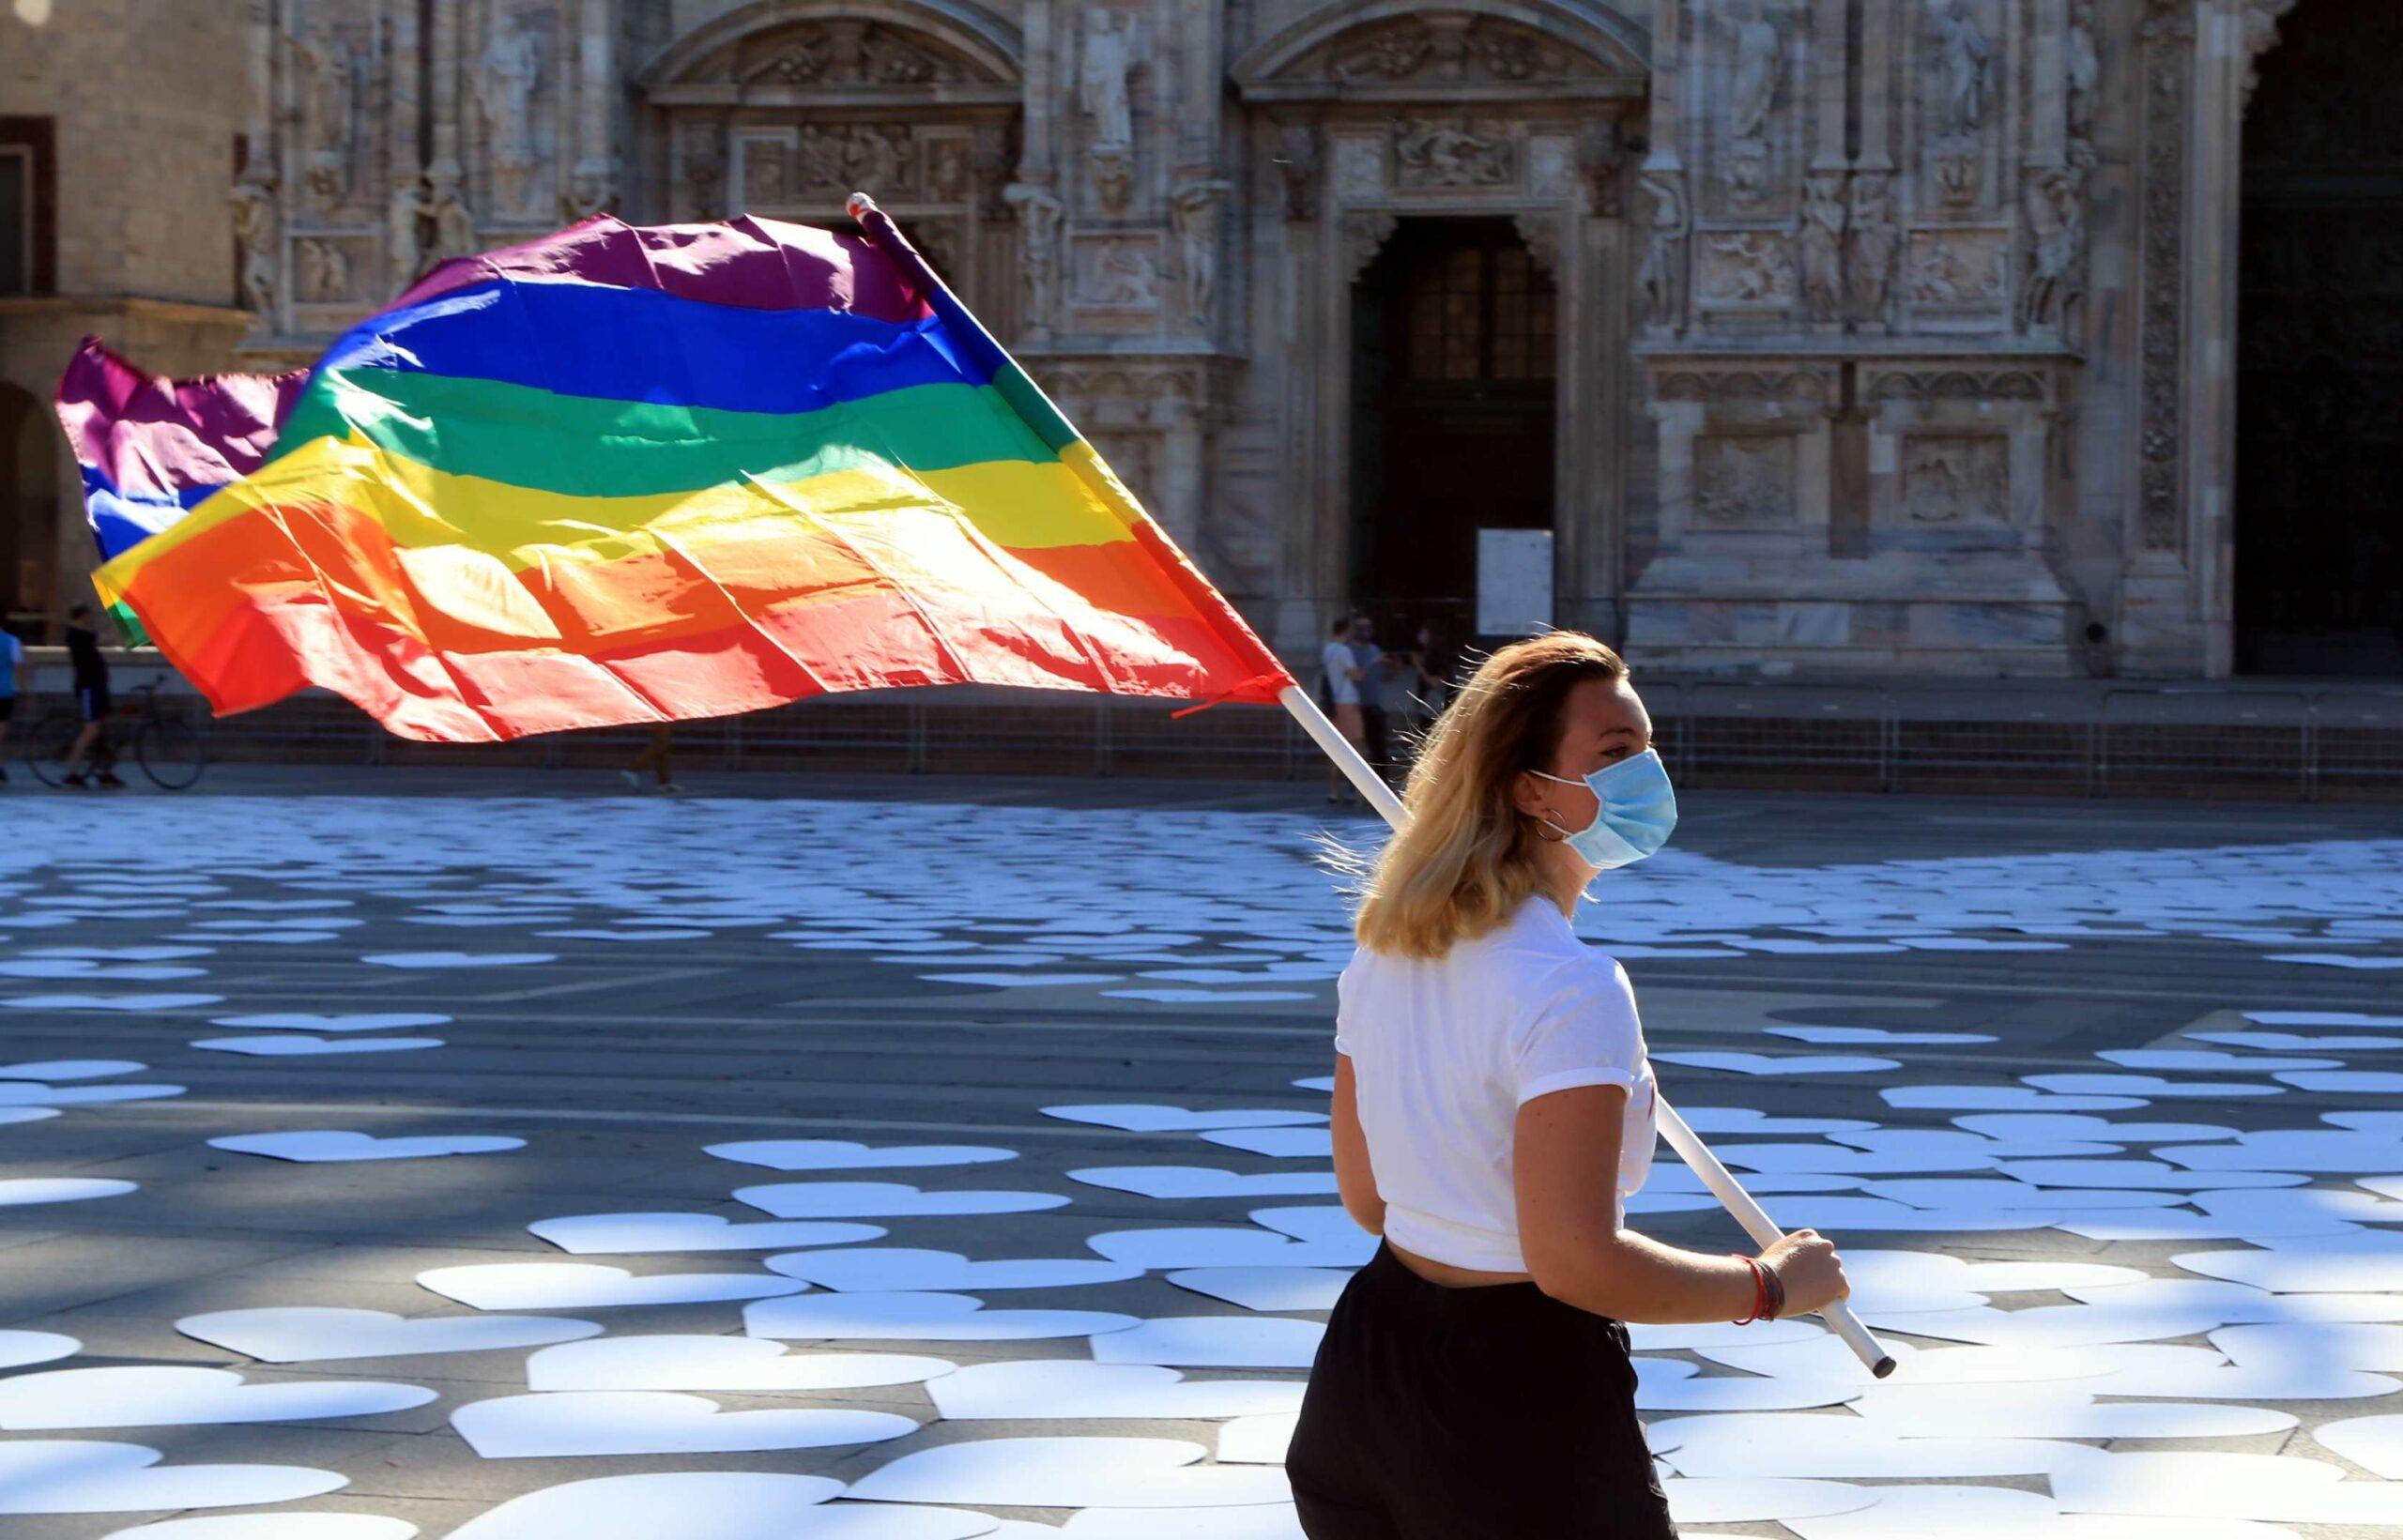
(1444, 1053)
(1341, 687)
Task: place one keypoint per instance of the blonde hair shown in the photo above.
(1466, 859)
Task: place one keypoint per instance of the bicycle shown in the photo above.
(170, 748)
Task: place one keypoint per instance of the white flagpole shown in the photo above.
(1681, 1138)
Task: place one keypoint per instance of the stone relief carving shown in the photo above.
(454, 223)
(1602, 161)
(1541, 232)
(950, 169)
(1110, 173)
(1359, 168)
(2168, 34)
(1116, 272)
(406, 211)
(2052, 287)
(1956, 268)
(258, 229)
(2262, 18)
(1957, 385)
(1447, 47)
(1819, 242)
(702, 159)
(1742, 267)
(1038, 252)
(1800, 387)
(506, 79)
(1433, 153)
(1194, 214)
(1872, 242)
(1297, 166)
(847, 52)
(1661, 275)
(1743, 478)
(1953, 478)
(1387, 53)
(325, 271)
(836, 158)
(327, 72)
(767, 170)
(1755, 78)
(592, 188)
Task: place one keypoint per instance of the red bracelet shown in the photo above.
(1776, 1295)
(1760, 1290)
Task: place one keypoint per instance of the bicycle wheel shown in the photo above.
(48, 745)
(172, 752)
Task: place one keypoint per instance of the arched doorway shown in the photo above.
(2319, 568)
(28, 512)
(1454, 402)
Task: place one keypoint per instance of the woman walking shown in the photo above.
(1493, 1106)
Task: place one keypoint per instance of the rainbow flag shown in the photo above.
(152, 448)
(630, 474)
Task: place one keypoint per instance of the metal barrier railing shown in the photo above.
(2178, 733)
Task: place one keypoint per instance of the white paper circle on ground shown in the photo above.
(1279, 1289)
(2148, 1086)
(1063, 1389)
(325, 1144)
(2051, 1325)
(884, 1200)
(20, 1192)
(147, 1396)
(2000, 1099)
(592, 1286)
(1812, 1445)
(677, 1506)
(846, 1155)
(1317, 1082)
(1149, 1118)
(885, 1269)
(1844, 1160)
(2320, 1018)
(273, 1526)
(1836, 1216)
(1223, 1246)
(296, 1044)
(112, 1002)
(630, 1234)
(2080, 1125)
(392, 1021)
(19, 1349)
(1959, 1197)
(2140, 1175)
(565, 1424)
(1744, 1119)
(1283, 1143)
(2374, 1443)
(2366, 1263)
(1264, 1521)
(1782, 1063)
(70, 1069)
(457, 959)
(26, 1114)
(2222, 1485)
(1647, 1337)
(83, 1476)
(1672, 1384)
(127, 955)
(1173, 1182)
(1071, 1474)
(2241, 1303)
(1214, 1342)
(1739, 1500)
(2065, 1409)
(731, 1364)
(1021, 981)
(2344, 1082)
(2208, 1062)
(1829, 1035)
(2003, 1512)
(920, 1317)
(2364, 1348)
(313, 1334)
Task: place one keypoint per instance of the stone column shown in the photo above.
(1881, 21)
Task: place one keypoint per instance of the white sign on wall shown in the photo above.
(1513, 582)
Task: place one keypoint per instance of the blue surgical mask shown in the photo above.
(1638, 810)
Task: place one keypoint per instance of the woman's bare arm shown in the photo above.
(1567, 1162)
(1353, 1177)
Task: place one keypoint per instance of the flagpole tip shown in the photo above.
(860, 206)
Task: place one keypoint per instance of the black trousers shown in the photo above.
(1493, 1414)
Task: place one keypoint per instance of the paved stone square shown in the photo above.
(1982, 1015)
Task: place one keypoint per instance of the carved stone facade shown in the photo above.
(1887, 335)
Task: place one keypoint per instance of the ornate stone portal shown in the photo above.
(1891, 335)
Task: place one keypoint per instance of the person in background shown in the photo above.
(1373, 666)
(12, 661)
(1419, 684)
(1339, 684)
(1397, 680)
(655, 758)
(91, 698)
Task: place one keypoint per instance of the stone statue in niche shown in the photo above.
(325, 271)
(2055, 213)
(1872, 241)
(1195, 215)
(257, 227)
(327, 70)
(506, 79)
(1104, 65)
(1819, 241)
(1662, 274)
(1437, 154)
(2084, 68)
(1039, 252)
(1297, 163)
(454, 223)
(1962, 60)
(1758, 71)
(405, 215)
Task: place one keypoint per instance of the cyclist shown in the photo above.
(92, 700)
